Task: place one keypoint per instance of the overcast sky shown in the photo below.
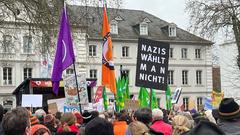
(168, 10)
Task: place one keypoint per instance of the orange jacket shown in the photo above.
(119, 127)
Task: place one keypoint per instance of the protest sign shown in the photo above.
(152, 64)
(176, 95)
(71, 108)
(52, 107)
(59, 102)
(71, 89)
(32, 100)
(131, 104)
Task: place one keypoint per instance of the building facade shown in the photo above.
(190, 60)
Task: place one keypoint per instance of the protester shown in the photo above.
(205, 128)
(180, 124)
(1, 117)
(120, 124)
(16, 122)
(68, 127)
(34, 120)
(137, 128)
(228, 115)
(40, 113)
(40, 129)
(49, 122)
(99, 126)
(158, 124)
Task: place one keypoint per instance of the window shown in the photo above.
(184, 53)
(198, 53)
(27, 44)
(199, 102)
(185, 103)
(184, 77)
(170, 77)
(172, 31)
(92, 50)
(143, 29)
(69, 71)
(199, 77)
(114, 28)
(27, 73)
(93, 73)
(125, 51)
(7, 43)
(7, 75)
(170, 52)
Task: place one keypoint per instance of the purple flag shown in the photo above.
(64, 56)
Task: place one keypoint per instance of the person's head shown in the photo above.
(40, 129)
(99, 126)
(157, 114)
(40, 113)
(138, 128)
(68, 119)
(58, 115)
(180, 124)
(16, 121)
(95, 114)
(87, 116)
(228, 110)
(49, 120)
(1, 112)
(34, 120)
(144, 115)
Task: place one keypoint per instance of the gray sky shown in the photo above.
(168, 10)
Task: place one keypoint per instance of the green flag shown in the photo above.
(105, 101)
(120, 95)
(154, 100)
(143, 97)
(127, 88)
(168, 98)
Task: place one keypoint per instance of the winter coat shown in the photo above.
(119, 127)
(230, 127)
(161, 126)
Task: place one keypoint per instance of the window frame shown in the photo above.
(9, 79)
(93, 73)
(28, 73)
(198, 53)
(29, 45)
(199, 77)
(184, 52)
(199, 102)
(6, 44)
(184, 77)
(125, 51)
(143, 29)
(170, 77)
(171, 53)
(69, 71)
(91, 49)
(172, 31)
(114, 27)
(186, 103)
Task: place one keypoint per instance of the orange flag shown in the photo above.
(108, 72)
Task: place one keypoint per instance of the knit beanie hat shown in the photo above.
(37, 127)
(34, 120)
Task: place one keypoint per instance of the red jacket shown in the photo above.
(73, 128)
(161, 126)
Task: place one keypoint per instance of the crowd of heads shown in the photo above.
(143, 121)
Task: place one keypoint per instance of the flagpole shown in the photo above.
(74, 68)
(150, 98)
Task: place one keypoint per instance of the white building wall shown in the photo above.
(176, 63)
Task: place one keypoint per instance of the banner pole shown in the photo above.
(74, 68)
(150, 98)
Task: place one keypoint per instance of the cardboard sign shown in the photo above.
(98, 94)
(59, 102)
(32, 100)
(131, 104)
(176, 95)
(53, 108)
(152, 64)
(71, 92)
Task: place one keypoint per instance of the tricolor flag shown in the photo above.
(108, 73)
(64, 56)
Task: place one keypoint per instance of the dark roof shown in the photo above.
(128, 27)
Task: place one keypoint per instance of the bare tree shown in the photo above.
(210, 16)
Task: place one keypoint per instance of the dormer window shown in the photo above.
(143, 29)
(114, 27)
(172, 30)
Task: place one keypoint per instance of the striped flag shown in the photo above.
(108, 72)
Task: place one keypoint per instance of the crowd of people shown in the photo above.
(222, 121)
